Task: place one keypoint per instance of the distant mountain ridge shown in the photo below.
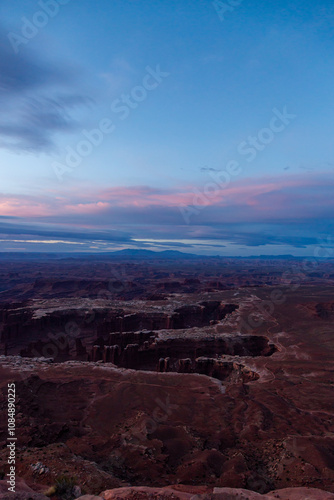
(137, 254)
(132, 254)
(149, 254)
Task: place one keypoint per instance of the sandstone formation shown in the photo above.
(177, 493)
(218, 375)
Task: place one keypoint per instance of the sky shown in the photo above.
(198, 126)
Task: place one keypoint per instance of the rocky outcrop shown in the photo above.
(174, 492)
(184, 365)
(227, 371)
(183, 355)
(187, 493)
(233, 345)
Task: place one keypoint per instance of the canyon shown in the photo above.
(223, 380)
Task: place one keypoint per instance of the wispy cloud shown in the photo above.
(38, 99)
(52, 231)
(285, 197)
(287, 210)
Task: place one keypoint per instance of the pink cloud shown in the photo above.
(282, 196)
(87, 208)
(21, 206)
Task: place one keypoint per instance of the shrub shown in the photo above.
(64, 487)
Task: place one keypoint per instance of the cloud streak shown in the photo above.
(38, 100)
(293, 211)
(264, 199)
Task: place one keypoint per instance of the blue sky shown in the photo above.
(216, 133)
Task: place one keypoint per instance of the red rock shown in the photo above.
(89, 497)
(172, 493)
(114, 427)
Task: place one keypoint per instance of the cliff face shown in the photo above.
(24, 326)
(145, 351)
